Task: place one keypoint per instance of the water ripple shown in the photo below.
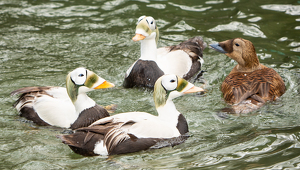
(110, 5)
(157, 6)
(126, 9)
(180, 27)
(248, 30)
(197, 8)
(214, 2)
(41, 41)
(53, 10)
(288, 9)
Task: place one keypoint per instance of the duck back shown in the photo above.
(257, 87)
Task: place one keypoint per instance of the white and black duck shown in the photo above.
(136, 131)
(63, 107)
(184, 60)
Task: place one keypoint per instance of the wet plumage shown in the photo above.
(250, 84)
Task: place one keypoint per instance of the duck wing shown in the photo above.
(46, 105)
(122, 133)
(193, 46)
(88, 116)
(260, 86)
(184, 59)
(108, 136)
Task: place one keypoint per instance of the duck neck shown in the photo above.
(240, 68)
(83, 102)
(148, 50)
(168, 113)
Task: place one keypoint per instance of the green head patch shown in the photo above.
(72, 88)
(149, 26)
(91, 80)
(144, 26)
(159, 94)
(181, 84)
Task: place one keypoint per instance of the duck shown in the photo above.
(68, 107)
(250, 84)
(184, 59)
(135, 131)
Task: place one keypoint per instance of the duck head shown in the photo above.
(146, 29)
(241, 50)
(82, 80)
(168, 87)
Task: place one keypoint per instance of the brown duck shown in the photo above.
(249, 84)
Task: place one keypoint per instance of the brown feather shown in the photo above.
(28, 94)
(25, 90)
(88, 116)
(79, 143)
(249, 80)
(265, 83)
(193, 46)
(117, 140)
(26, 99)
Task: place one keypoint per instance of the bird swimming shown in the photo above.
(135, 131)
(68, 107)
(250, 84)
(184, 59)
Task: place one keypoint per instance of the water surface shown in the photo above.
(41, 41)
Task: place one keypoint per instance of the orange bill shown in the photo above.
(105, 85)
(193, 90)
(138, 37)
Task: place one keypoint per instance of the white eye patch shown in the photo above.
(151, 23)
(78, 76)
(141, 18)
(169, 82)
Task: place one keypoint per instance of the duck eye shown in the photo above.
(80, 75)
(237, 44)
(151, 22)
(172, 81)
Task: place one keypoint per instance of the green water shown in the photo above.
(41, 41)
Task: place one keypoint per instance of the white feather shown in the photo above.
(55, 111)
(59, 109)
(148, 48)
(58, 92)
(100, 148)
(175, 62)
(129, 70)
(159, 128)
(83, 101)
